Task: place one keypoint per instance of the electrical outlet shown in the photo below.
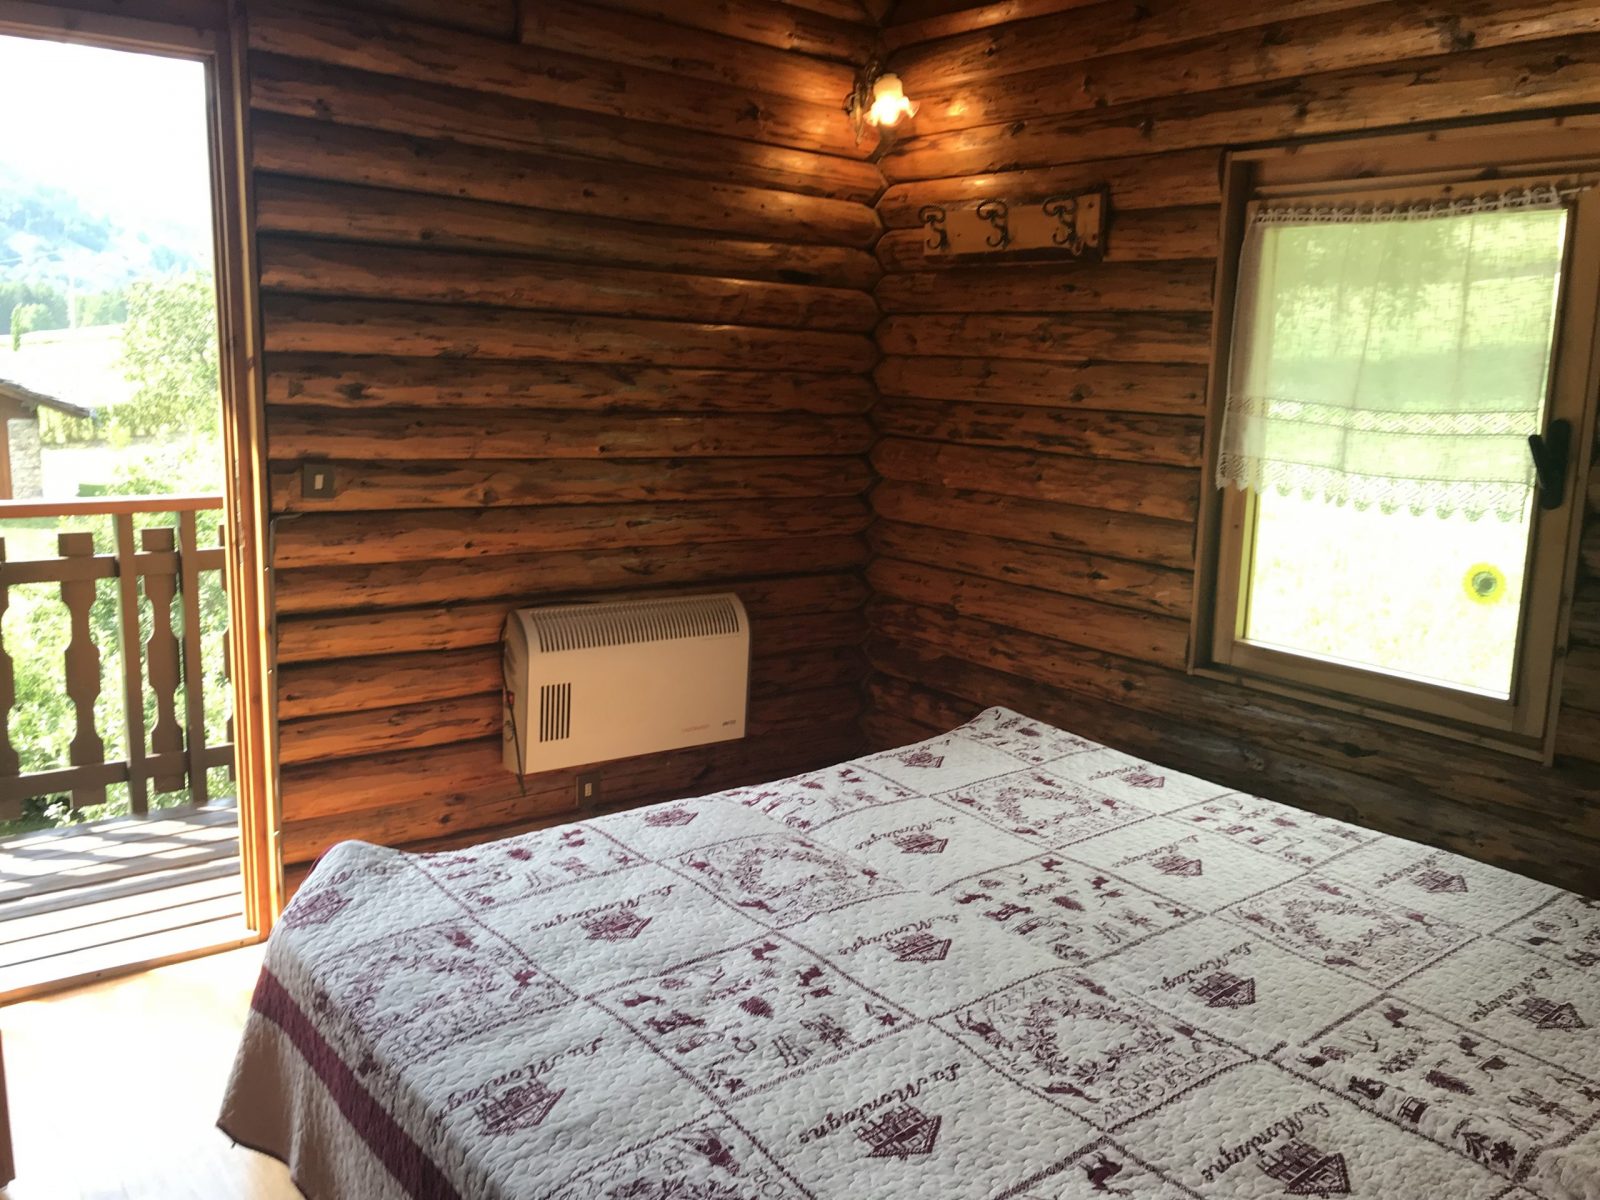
(589, 790)
(316, 481)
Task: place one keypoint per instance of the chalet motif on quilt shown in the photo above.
(1004, 963)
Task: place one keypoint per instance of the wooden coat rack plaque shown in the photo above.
(1073, 224)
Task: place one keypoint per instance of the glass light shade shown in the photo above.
(889, 102)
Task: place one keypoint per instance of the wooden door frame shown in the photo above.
(213, 32)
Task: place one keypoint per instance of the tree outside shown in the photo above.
(169, 352)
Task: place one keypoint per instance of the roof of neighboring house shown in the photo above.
(32, 399)
(77, 368)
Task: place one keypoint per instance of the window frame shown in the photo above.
(1460, 160)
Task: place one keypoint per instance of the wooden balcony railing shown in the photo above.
(164, 567)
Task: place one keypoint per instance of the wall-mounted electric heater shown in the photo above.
(585, 683)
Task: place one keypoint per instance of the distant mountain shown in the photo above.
(48, 235)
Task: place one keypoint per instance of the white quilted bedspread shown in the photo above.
(1006, 962)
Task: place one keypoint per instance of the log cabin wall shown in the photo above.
(570, 301)
(1041, 424)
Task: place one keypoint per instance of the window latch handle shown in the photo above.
(1552, 454)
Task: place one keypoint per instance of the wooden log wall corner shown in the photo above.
(1040, 422)
(568, 299)
(576, 297)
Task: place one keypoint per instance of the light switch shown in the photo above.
(316, 481)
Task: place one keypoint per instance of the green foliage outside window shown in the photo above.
(15, 294)
(99, 308)
(25, 318)
(170, 353)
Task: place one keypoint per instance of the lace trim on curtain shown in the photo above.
(1283, 410)
(1445, 497)
(1542, 196)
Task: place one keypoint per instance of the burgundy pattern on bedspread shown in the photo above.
(1006, 962)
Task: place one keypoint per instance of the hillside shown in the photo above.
(49, 236)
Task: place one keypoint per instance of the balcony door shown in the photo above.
(136, 806)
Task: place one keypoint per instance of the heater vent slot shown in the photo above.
(586, 626)
(555, 712)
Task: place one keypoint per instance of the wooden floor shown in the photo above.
(115, 1088)
(88, 900)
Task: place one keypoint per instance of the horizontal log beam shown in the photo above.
(863, 14)
(1066, 287)
(1560, 72)
(370, 485)
(561, 574)
(319, 326)
(404, 727)
(420, 435)
(653, 196)
(1142, 181)
(349, 381)
(496, 18)
(1160, 590)
(918, 704)
(913, 22)
(1151, 491)
(1578, 738)
(1133, 538)
(885, 731)
(355, 271)
(573, 27)
(1089, 31)
(1102, 387)
(316, 539)
(1143, 637)
(1580, 678)
(1172, 441)
(765, 23)
(1079, 337)
(385, 216)
(582, 141)
(431, 57)
(1275, 50)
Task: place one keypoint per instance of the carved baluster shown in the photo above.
(160, 586)
(194, 671)
(227, 649)
(83, 668)
(132, 667)
(10, 764)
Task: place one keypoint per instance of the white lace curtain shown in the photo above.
(1396, 356)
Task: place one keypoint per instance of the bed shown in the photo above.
(1005, 962)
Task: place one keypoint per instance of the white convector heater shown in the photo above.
(585, 683)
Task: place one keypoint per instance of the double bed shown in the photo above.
(1006, 962)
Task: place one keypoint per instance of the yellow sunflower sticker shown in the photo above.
(1484, 584)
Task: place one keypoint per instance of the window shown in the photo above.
(1382, 534)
